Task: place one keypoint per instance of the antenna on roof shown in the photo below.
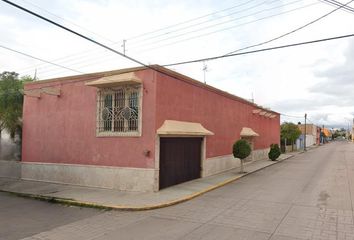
(123, 45)
(35, 75)
(205, 69)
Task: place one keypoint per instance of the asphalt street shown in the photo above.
(308, 196)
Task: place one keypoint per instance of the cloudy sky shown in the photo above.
(316, 79)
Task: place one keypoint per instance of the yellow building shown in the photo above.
(327, 133)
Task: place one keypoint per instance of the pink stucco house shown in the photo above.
(136, 129)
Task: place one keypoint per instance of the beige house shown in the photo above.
(312, 135)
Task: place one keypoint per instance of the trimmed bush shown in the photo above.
(274, 152)
(241, 149)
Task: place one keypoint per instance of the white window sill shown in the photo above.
(118, 134)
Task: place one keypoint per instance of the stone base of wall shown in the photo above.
(220, 164)
(126, 179)
(10, 169)
(260, 154)
(120, 178)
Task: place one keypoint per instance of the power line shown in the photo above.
(39, 59)
(260, 50)
(77, 62)
(68, 21)
(143, 34)
(227, 28)
(224, 22)
(312, 121)
(290, 116)
(293, 31)
(94, 60)
(63, 58)
(83, 36)
(187, 21)
(210, 20)
(336, 3)
(68, 58)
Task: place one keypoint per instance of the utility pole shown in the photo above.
(123, 45)
(305, 133)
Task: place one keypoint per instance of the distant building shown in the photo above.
(326, 135)
(312, 135)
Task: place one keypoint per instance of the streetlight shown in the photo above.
(348, 120)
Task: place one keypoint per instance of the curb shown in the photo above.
(74, 202)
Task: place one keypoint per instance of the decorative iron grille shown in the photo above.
(119, 110)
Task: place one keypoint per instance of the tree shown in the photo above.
(289, 131)
(274, 152)
(241, 149)
(11, 101)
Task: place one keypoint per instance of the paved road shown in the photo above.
(305, 197)
(21, 217)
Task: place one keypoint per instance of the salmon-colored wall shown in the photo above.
(225, 117)
(63, 129)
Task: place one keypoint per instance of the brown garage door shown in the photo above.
(180, 160)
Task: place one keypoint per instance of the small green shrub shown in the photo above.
(274, 152)
(241, 149)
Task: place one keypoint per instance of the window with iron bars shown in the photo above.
(119, 111)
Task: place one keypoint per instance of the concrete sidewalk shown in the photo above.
(114, 199)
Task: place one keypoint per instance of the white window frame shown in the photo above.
(99, 121)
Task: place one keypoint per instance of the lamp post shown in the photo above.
(305, 133)
(348, 129)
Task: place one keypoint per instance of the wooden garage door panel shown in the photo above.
(180, 160)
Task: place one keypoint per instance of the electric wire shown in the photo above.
(78, 63)
(68, 21)
(87, 53)
(228, 21)
(84, 37)
(292, 31)
(261, 50)
(187, 21)
(224, 29)
(39, 59)
(336, 3)
(210, 20)
(290, 116)
(134, 60)
(95, 60)
(174, 64)
(138, 36)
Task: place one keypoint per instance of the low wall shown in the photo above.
(221, 164)
(10, 169)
